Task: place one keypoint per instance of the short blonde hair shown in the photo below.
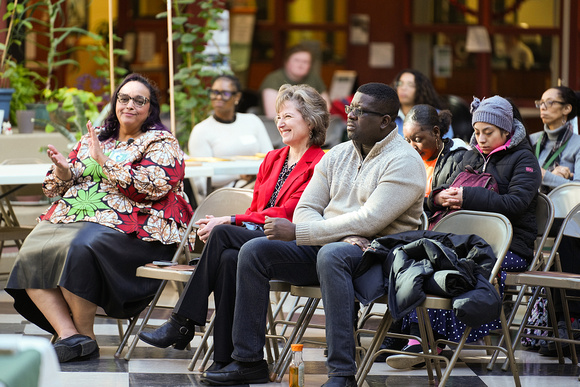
(311, 106)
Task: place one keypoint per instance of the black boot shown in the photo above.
(177, 331)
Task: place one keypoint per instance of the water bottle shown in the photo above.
(296, 377)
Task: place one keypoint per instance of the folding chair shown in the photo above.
(544, 221)
(313, 297)
(553, 279)
(224, 201)
(496, 230)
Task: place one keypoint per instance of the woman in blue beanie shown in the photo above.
(500, 147)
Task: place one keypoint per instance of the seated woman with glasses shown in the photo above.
(227, 133)
(121, 203)
(302, 119)
(557, 147)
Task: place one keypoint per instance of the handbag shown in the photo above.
(467, 178)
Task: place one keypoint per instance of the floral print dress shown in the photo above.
(138, 190)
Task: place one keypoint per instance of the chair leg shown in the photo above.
(509, 323)
(454, 358)
(125, 338)
(152, 305)
(203, 346)
(375, 344)
(523, 324)
(297, 333)
(428, 343)
(509, 349)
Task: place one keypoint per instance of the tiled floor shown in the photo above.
(151, 366)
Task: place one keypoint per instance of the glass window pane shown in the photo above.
(521, 65)
(511, 75)
(427, 12)
(537, 13)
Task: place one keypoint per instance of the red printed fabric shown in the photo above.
(138, 191)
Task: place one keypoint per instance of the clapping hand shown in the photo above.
(95, 145)
(62, 170)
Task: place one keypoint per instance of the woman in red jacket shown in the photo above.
(302, 119)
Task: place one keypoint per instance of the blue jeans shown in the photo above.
(331, 266)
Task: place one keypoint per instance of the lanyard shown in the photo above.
(554, 156)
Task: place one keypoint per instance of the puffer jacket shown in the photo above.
(451, 156)
(408, 265)
(519, 177)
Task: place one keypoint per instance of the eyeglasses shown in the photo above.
(226, 95)
(138, 101)
(410, 85)
(359, 112)
(547, 104)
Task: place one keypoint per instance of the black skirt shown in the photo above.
(90, 260)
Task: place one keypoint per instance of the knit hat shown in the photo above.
(495, 110)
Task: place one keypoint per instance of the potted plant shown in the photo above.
(24, 83)
(54, 30)
(70, 110)
(10, 71)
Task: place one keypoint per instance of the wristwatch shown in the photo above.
(233, 220)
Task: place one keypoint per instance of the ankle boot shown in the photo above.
(177, 331)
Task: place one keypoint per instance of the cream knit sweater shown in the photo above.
(380, 195)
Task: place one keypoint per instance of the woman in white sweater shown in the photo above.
(227, 133)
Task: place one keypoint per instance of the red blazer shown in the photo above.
(289, 193)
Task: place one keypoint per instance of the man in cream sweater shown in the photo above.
(362, 189)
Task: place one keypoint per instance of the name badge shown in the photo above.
(119, 155)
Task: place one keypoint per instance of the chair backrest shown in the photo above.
(494, 228)
(544, 221)
(424, 221)
(564, 198)
(221, 202)
(570, 227)
(572, 223)
(224, 201)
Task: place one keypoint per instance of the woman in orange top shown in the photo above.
(424, 128)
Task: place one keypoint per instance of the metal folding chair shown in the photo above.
(553, 279)
(544, 221)
(496, 230)
(224, 201)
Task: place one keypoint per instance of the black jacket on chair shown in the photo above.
(408, 265)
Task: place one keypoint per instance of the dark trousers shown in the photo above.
(216, 272)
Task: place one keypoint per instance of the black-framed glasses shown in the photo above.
(226, 95)
(359, 112)
(138, 101)
(547, 104)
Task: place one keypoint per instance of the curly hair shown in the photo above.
(311, 106)
(425, 93)
(153, 121)
(384, 95)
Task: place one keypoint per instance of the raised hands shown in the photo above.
(95, 145)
